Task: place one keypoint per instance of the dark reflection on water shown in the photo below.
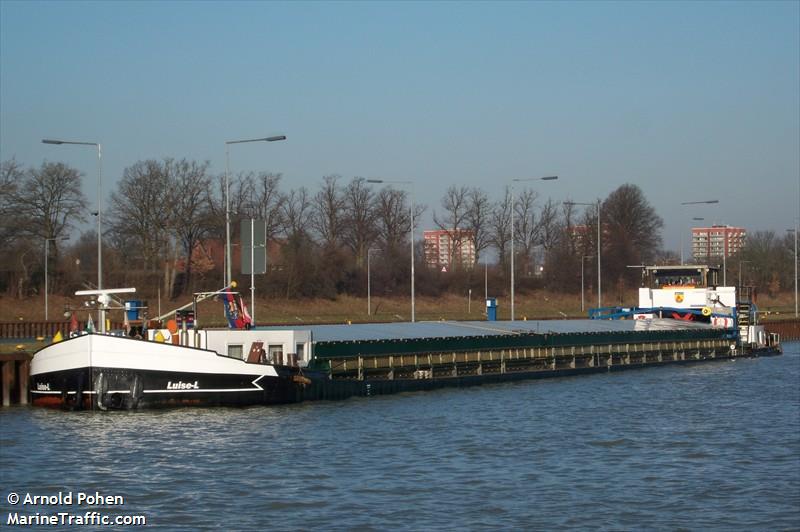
(714, 446)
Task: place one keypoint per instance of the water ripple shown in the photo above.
(714, 446)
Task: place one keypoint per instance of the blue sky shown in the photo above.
(691, 101)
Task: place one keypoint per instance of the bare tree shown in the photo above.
(17, 258)
(43, 203)
(266, 202)
(550, 225)
(770, 261)
(11, 173)
(242, 190)
(455, 219)
(527, 228)
(393, 217)
(499, 224)
(139, 217)
(296, 214)
(50, 200)
(295, 211)
(478, 212)
(360, 230)
(189, 182)
(328, 219)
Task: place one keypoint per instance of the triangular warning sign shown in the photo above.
(444, 269)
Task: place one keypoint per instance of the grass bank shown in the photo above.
(535, 305)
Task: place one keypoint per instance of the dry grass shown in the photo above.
(536, 305)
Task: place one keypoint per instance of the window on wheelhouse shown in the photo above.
(236, 350)
(275, 352)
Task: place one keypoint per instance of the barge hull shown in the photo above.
(102, 372)
(99, 388)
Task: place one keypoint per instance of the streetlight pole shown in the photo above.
(740, 272)
(583, 258)
(369, 282)
(46, 257)
(795, 268)
(411, 200)
(704, 202)
(228, 276)
(696, 219)
(485, 281)
(599, 278)
(725, 258)
(99, 204)
(513, 233)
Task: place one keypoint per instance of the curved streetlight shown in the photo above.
(228, 276)
(99, 205)
(599, 278)
(694, 219)
(795, 268)
(513, 233)
(411, 197)
(99, 147)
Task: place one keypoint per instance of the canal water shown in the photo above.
(707, 447)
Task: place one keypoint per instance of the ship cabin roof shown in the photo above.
(680, 276)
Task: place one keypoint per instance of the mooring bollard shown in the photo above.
(24, 374)
(14, 375)
(8, 379)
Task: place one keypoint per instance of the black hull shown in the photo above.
(121, 389)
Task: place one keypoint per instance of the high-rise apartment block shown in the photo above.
(716, 241)
(443, 249)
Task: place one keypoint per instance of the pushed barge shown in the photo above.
(272, 365)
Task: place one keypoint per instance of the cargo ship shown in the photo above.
(185, 364)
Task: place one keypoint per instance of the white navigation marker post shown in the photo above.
(254, 240)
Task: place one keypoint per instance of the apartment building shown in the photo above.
(443, 249)
(716, 241)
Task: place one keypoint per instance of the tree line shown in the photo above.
(163, 218)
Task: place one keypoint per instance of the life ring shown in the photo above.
(706, 312)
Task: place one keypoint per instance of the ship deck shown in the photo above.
(381, 339)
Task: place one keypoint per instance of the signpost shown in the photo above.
(254, 255)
